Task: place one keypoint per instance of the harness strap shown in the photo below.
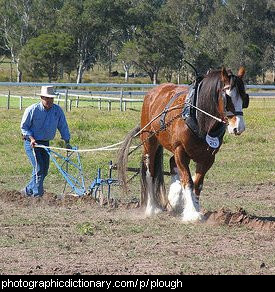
(228, 114)
(189, 114)
(166, 109)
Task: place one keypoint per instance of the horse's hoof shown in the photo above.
(152, 211)
(192, 217)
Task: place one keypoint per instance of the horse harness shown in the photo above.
(213, 139)
(189, 113)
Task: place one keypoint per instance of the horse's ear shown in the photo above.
(241, 72)
(224, 76)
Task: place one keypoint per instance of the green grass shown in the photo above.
(245, 160)
(250, 157)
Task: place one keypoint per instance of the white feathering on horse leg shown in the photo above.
(191, 212)
(175, 196)
(151, 207)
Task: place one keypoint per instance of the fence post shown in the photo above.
(109, 105)
(58, 98)
(121, 100)
(8, 100)
(21, 102)
(70, 105)
(77, 102)
(66, 100)
(99, 104)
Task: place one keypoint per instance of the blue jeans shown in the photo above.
(40, 161)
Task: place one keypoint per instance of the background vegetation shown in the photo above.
(62, 39)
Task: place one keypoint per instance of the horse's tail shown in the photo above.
(123, 157)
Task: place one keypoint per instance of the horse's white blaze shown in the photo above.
(175, 196)
(191, 212)
(236, 125)
(151, 207)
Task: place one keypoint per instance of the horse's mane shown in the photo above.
(208, 100)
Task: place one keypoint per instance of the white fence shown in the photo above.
(122, 95)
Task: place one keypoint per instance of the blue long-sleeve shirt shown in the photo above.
(42, 124)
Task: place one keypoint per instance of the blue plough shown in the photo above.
(77, 181)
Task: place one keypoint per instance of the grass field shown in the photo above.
(242, 161)
(80, 237)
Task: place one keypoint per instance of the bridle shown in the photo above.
(227, 100)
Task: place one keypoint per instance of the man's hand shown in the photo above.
(33, 142)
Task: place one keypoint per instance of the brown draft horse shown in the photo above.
(220, 99)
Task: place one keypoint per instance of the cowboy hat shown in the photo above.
(47, 91)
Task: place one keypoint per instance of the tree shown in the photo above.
(15, 27)
(268, 62)
(45, 15)
(158, 46)
(45, 54)
(148, 34)
(190, 17)
(21, 20)
(122, 19)
(127, 56)
(83, 21)
(237, 34)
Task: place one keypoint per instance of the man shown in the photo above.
(38, 126)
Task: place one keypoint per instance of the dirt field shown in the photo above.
(78, 236)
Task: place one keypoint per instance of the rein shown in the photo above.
(166, 110)
(207, 114)
(113, 148)
(165, 125)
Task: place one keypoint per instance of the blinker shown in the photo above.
(246, 101)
